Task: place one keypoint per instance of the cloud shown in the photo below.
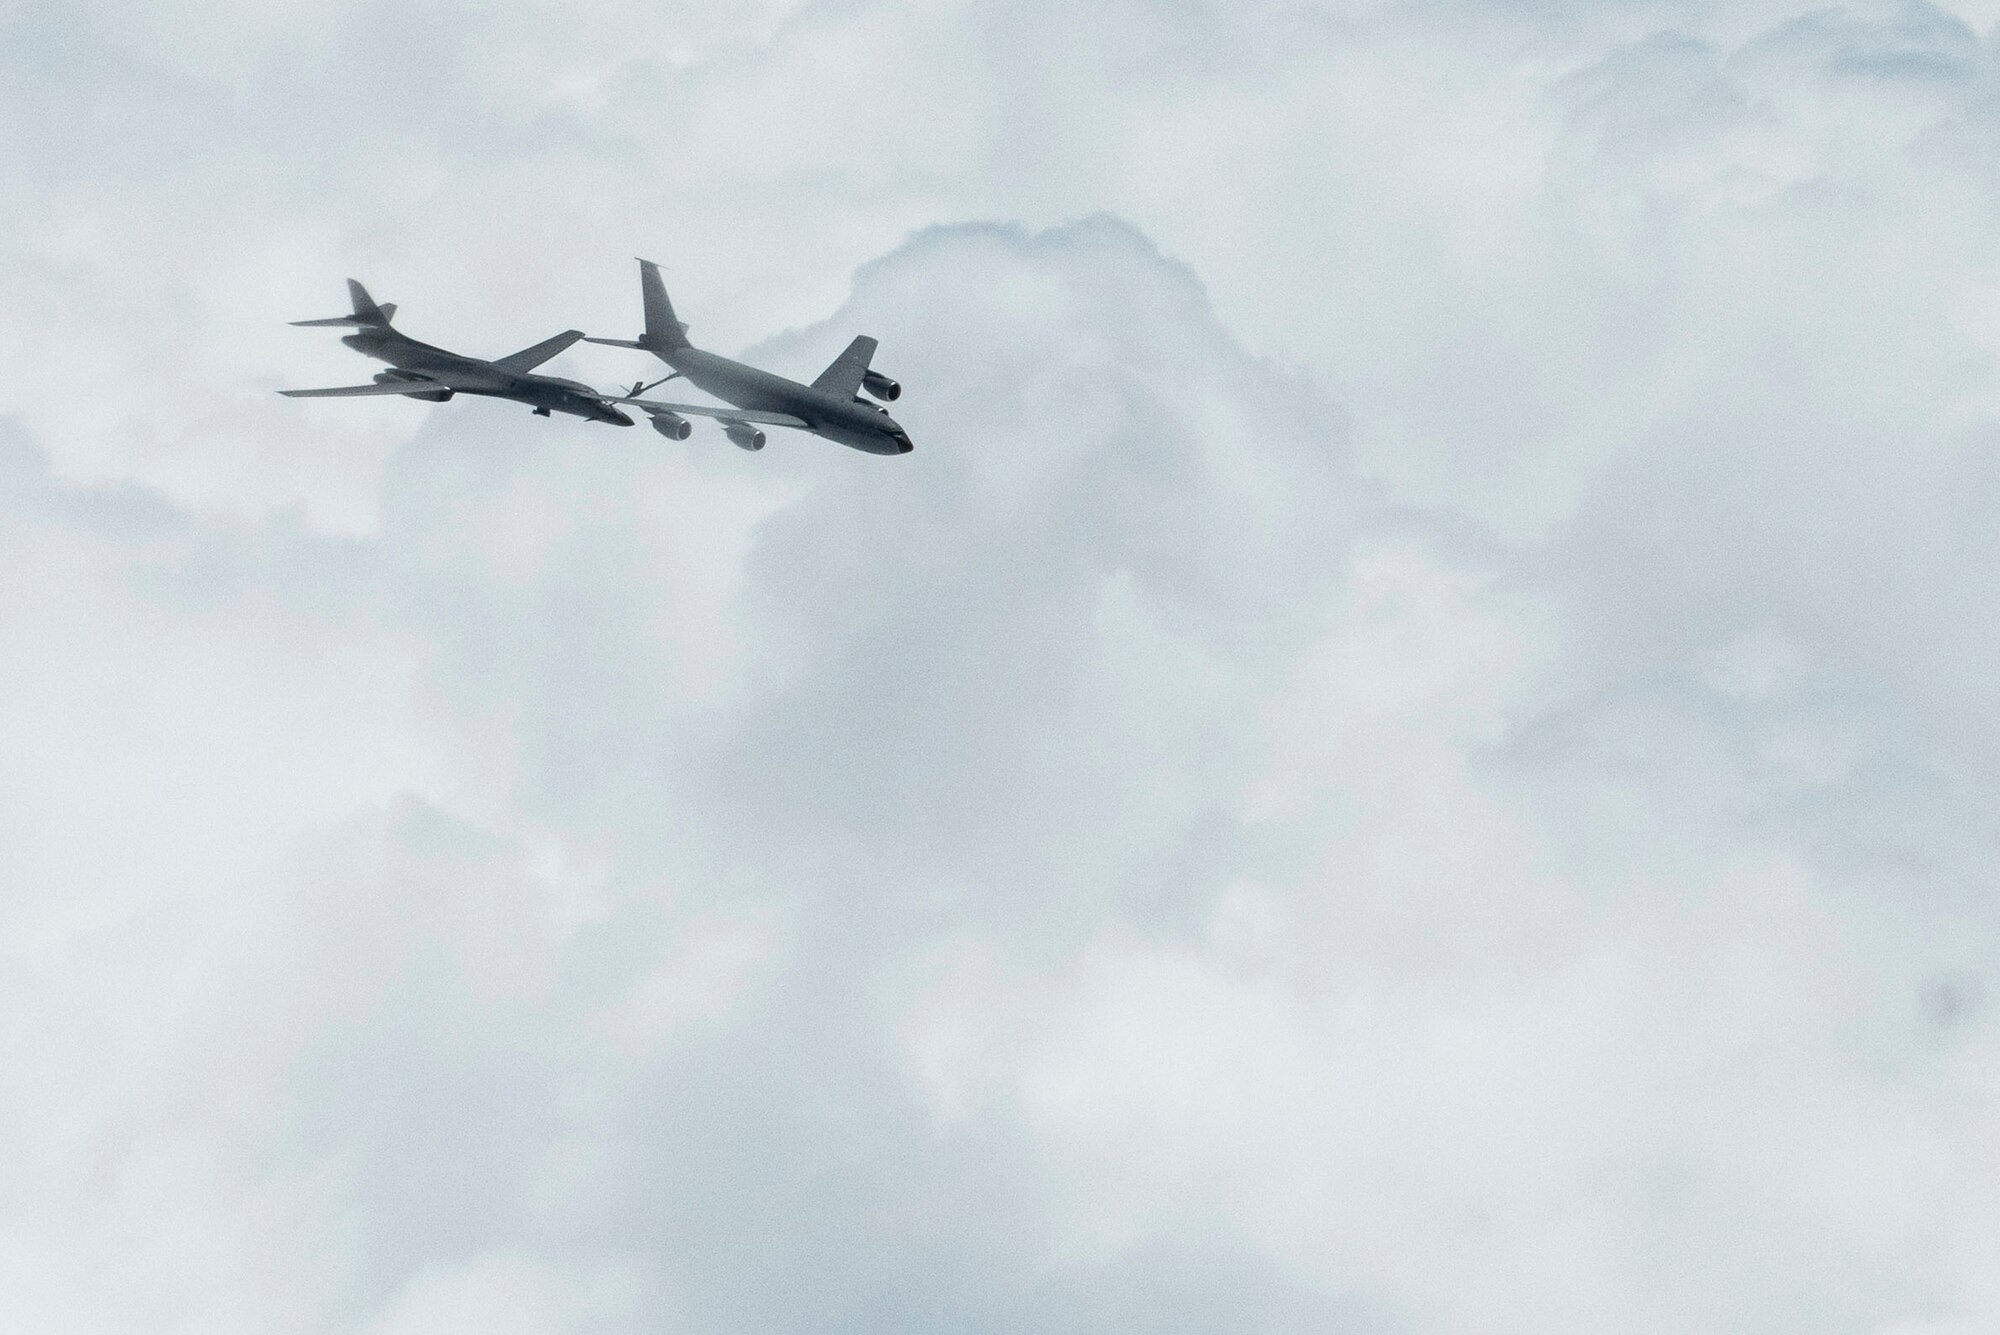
(1482, 825)
(674, 758)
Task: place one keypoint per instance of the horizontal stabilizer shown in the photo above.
(360, 391)
(527, 359)
(722, 414)
(614, 342)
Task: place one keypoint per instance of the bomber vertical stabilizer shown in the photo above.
(368, 313)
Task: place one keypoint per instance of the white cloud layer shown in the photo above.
(1426, 764)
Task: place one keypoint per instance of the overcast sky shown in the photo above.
(1414, 752)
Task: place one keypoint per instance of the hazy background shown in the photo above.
(1415, 749)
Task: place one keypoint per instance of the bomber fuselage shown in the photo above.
(470, 375)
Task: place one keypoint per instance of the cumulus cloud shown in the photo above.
(1420, 765)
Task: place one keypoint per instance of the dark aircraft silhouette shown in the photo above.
(420, 371)
(830, 406)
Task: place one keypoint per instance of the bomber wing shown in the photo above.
(379, 387)
(843, 378)
(527, 359)
(724, 414)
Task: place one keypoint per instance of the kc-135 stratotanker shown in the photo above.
(831, 406)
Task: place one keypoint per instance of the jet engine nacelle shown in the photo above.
(672, 425)
(743, 435)
(881, 386)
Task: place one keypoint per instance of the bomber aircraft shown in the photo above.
(830, 406)
(420, 371)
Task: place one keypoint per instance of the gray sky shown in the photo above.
(1413, 753)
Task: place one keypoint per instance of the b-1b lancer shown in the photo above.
(420, 371)
(830, 406)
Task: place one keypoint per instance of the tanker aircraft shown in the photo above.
(830, 406)
(420, 371)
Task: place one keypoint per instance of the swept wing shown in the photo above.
(723, 414)
(379, 387)
(843, 378)
(527, 359)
